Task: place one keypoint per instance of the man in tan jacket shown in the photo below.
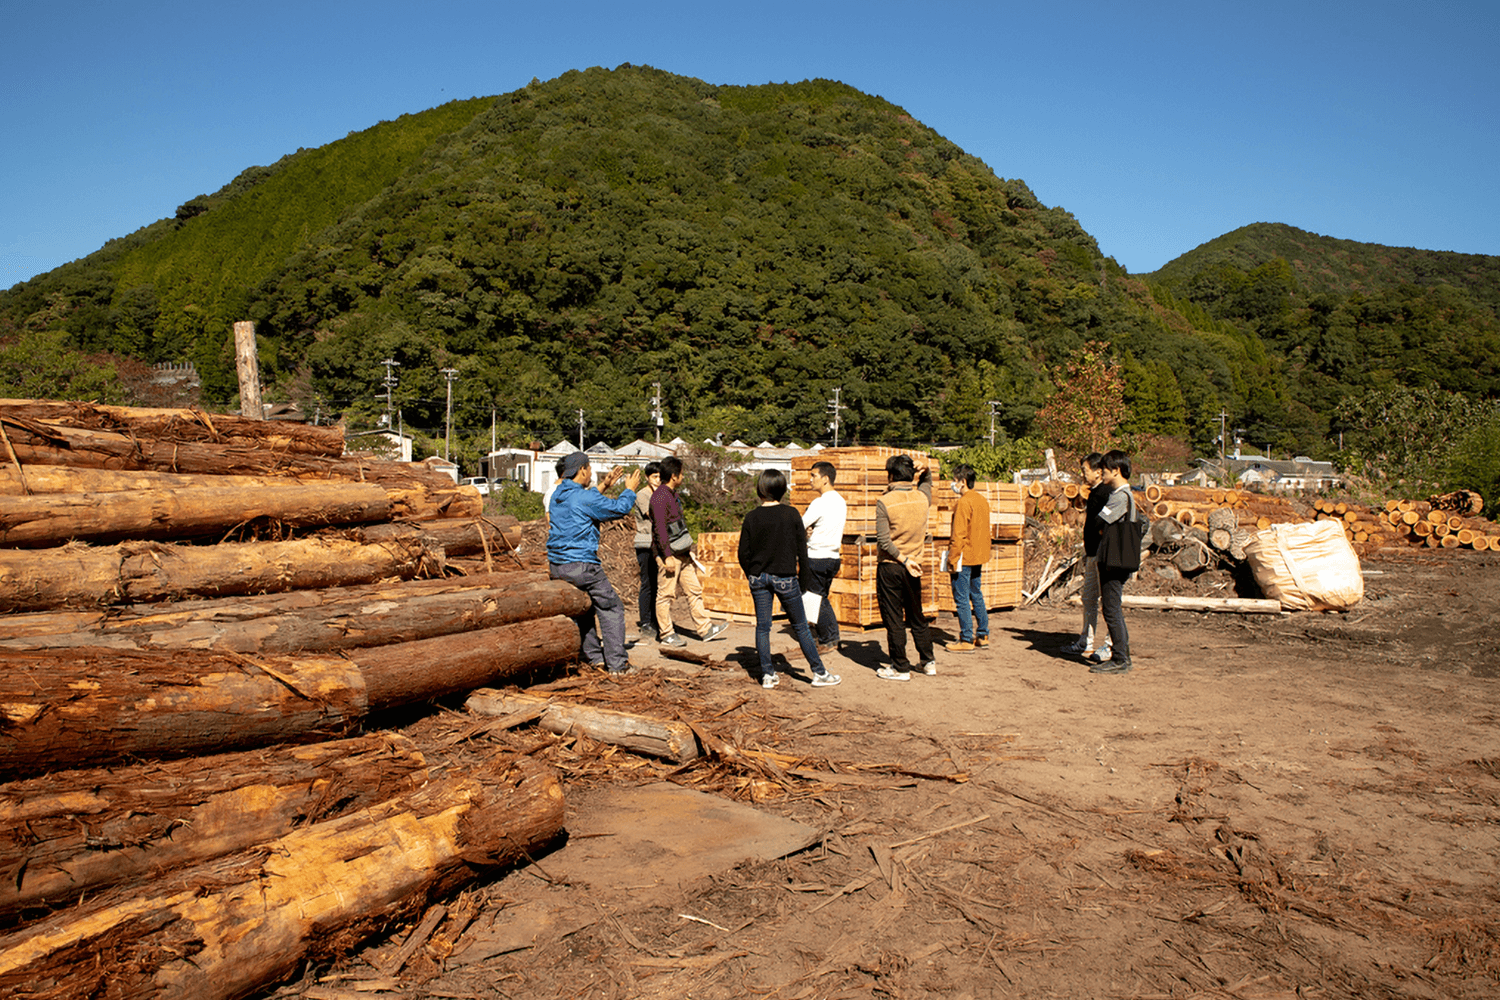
(967, 553)
(900, 534)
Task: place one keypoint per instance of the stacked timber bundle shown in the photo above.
(198, 615)
(862, 481)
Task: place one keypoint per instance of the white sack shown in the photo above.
(1307, 567)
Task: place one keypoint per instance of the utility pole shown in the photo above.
(994, 408)
(656, 408)
(1223, 429)
(834, 406)
(390, 383)
(580, 429)
(451, 373)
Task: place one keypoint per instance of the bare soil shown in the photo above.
(1268, 806)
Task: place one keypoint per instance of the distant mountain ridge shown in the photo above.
(1326, 264)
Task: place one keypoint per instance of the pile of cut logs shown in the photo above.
(198, 614)
(1194, 526)
(862, 480)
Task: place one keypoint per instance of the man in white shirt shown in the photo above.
(824, 522)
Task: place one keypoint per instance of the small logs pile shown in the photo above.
(198, 614)
(862, 481)
(1227, 518)
(1436, 524)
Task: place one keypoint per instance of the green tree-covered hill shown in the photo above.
(565, 247)
(1346, 320)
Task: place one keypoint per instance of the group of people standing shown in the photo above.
(576, 512)
(1112, 529)
(792, 560)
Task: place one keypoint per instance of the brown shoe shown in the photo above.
(960, 647)
(982, 641)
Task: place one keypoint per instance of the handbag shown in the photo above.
(679, 539)
(1120, 543)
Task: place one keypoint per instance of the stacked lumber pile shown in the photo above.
(862, 481)
(198, 615)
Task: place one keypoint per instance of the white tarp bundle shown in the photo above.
(1307, 567)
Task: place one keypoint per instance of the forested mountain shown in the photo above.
(568, 245)
(1345, 319)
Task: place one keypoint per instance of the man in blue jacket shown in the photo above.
(573, 555)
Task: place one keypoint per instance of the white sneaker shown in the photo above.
(769, 681)
(825, 680)
(930, 668)
(890, 673)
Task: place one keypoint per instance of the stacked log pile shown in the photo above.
(1197, 528)
(198, 615)
(862, 481)
(1226, 517)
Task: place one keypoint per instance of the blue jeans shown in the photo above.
(606, 643)
(966, 592)
(822, 572)
(765, 589)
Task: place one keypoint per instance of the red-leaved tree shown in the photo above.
(1086, 409)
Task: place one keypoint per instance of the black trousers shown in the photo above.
(899, 595)
(1111, 590)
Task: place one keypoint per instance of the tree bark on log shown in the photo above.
(404, 673)
(179, 425)
(83, 576)
(455, 537)
(72, 833)
(14, 629)
(407, 502)
(305, 621)
(662, 738)
(68, 708)
(1243, 605)
(37, 443)
(102, 518)
(225, 929)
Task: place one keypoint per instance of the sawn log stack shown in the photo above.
(198, 615)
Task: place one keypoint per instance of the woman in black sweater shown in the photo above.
(773, 554)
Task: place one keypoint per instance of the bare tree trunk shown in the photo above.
(67, 708)
(303, 621)
(82, 576)
(73, 833)
(39, 521)
(38, 443)
(456, 537)
(179, 425)
(247, 364)
(408, 501)
(227, 928)
(663, 738)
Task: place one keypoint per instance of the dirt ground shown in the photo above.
(1268, 806)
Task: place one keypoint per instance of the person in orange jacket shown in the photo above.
(968, 551)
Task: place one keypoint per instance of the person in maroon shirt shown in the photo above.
(675, 568)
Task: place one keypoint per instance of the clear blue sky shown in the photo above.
(1159, 125)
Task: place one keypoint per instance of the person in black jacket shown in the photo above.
(1086, 642)
(1114, 518)
(773, 555)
